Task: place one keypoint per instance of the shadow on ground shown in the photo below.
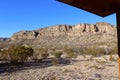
(7, 67)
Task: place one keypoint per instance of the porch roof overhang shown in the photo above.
(99, 7)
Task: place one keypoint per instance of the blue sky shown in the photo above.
(16, 15)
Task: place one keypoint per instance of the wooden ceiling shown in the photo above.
(99, 7)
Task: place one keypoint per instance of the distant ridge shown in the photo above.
(58, 36)
(66, 30)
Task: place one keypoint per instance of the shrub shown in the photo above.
(58, 54)
(41, 53)
(71, 55)
(93, 51)
(114, 50)
(5, 55)
(44, 55)
(82, 51)
(69, 52)
(17, 54)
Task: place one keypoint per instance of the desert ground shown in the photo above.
(80, 68)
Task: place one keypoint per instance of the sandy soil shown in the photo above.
(80, 68)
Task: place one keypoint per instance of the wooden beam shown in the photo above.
(118, 30)
(118, 37)
(99, 7)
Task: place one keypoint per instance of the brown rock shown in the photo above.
(66, 30)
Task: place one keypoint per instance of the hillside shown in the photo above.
(87, 52)
(59, 36)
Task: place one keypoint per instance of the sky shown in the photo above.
(17, 15)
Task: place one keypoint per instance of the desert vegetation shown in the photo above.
(61, 52)
(16, 54)
(70, 53)
(57, 54)
(75, 61)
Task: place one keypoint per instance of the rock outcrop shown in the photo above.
(66, 30)
(24, 35)
(75, 36)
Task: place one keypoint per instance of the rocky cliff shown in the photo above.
(59, 36)
(66, 30)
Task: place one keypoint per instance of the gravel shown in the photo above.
(78, 70)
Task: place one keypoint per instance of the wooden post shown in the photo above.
(118, 37)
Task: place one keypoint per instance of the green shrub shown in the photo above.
(41, 53)
(114, 50)
(58, 54)
(82, 51)
(71, 55)
(17, 54)
(69, 52)
(92, 51)
(5, 55)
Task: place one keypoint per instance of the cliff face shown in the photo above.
(66, 30)
(59, 36)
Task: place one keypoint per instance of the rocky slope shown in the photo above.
(66, 30)
(70, 35)
(76, 36)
